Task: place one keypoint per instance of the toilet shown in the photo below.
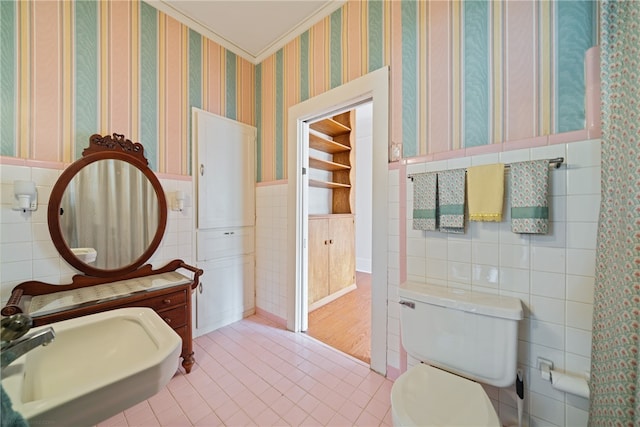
(463, 338)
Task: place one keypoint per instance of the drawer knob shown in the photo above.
(168, 320)
(166, 301)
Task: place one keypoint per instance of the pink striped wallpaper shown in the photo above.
(464, 74)
(78, 68)
(109, 66)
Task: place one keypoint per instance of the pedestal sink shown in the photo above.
(97, 366)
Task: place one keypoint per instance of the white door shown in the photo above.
(225, 171)
(227, 292)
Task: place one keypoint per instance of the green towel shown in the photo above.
(451, 190)
(529, 192)
(10, 418)
(424, 201)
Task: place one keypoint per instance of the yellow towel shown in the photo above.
(485, 192)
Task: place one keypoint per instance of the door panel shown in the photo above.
(318, 259)
(227, 291)
(224, 242)
(225, 172)
(342, 250)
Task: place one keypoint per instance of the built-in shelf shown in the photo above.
(327, 184)
(331, 238)
(330, 127)
(333, 137)
(326, 165)
(328, 146)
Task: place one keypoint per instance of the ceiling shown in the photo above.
(252, 29)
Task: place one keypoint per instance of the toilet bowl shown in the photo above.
(428, 396)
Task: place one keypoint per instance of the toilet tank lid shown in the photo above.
(459, 299)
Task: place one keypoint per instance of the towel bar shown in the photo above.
(557, 162)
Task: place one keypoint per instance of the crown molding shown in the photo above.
(279, 43)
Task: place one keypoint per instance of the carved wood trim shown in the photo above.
(196, 276)
(34, 287)
(115, 142)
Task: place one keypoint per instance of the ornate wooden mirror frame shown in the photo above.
(115, 147)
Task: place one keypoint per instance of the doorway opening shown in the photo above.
(339, 231)
(373, 87)
(345, 323)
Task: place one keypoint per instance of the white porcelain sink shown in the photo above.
(97, 366)
(86, 255)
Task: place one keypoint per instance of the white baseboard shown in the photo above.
(363, 264)
(334, 296)
(231, 317)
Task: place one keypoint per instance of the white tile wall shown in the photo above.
(553, 274)
(271, 249)
(393, 271)
(179, 237)
(27, 251)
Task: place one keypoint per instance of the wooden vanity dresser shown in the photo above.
(165, 291)
(113, 278)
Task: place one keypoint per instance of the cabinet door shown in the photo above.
(318, 265)
(225, 171)
(342, 265)
(227, 292)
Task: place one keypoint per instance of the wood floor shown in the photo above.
(345, 324)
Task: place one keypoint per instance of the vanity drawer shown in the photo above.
(162, 302)
(175, 317)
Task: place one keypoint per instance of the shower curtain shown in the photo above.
(110, 206)
(615, 354)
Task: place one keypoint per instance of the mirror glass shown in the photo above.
(109, 214)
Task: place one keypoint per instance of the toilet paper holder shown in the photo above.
(545, 366)
(567, 382)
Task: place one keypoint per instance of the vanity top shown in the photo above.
(42, 305)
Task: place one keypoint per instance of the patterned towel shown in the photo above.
(485, 186)
(424, 201)
(451, 200)
(529, 191)
(10, 417)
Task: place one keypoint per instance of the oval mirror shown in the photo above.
(107, 212)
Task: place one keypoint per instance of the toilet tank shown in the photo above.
(472, 334)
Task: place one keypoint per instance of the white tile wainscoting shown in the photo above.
(271, 249)
(552, 274)
(26, 249)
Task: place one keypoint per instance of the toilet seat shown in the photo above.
(428, 396)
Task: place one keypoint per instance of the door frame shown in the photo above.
(373, 87)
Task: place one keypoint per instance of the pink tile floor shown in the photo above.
(254, 373)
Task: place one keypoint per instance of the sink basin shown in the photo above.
(86, 255)
(97, 366)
